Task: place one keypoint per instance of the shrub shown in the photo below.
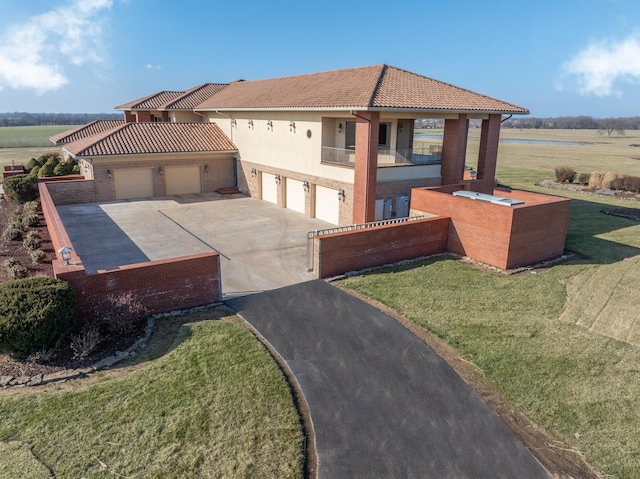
(609, 179)
(37, 256)
(86, 341)
(631, 183)
(583, 178)
(121, 313)
(14, 269)
(12, 232)
(565, 174)
(30, 219)
(31, 207)
(31, 164)
(595, 180)
(32, 241)
(35, 313)
(21, 188)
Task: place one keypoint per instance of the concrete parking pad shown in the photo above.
(261, 246)
(383, 404)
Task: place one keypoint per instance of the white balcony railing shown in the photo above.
(431, 155)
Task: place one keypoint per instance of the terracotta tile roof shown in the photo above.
(175, 100)
(148, 138)
(193, 97)
(374, 87)
(83, 131)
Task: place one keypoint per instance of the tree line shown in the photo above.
(39, 119)
(605, 125)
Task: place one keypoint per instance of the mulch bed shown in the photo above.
(629, 213)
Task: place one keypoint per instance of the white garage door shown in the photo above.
(183, 180)
(134, 183)
(295, 195)
(327, 205)
(269, 188)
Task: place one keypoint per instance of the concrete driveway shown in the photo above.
(261, 246)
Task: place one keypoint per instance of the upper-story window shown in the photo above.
(384, 135)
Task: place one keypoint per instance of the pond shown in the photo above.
(524, 142)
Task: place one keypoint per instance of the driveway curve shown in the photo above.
(382, 403)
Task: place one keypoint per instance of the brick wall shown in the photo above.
(391, 189)
(505, 237)
(161, 286)
(354, 250)
(65, 191)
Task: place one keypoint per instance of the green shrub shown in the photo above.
(37, 256)
(21, 188)
(30, 220)
(31, 164)
(35, 313)
(565, 174)
(31, 207)
(32, 241)
(14, 269)
(12, 232)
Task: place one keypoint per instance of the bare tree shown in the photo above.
(610, 125)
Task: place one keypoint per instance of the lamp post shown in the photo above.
(65, 252)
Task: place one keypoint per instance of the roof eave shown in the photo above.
(85, 156)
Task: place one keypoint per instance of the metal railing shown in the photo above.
(341, 229)
(428, 155)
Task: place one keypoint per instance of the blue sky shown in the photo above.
(557, 58)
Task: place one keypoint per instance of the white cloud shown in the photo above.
(149, 66)
(33, 54)
(599, 66)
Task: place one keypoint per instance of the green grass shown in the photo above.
(216, 405)
(29, 136)
(546, 340)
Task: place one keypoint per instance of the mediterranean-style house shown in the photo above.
(338, 146)
(324, 144)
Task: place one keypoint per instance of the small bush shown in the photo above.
(32, 241)
(583, 178)
(595, 180)
(631, 183)
(14, 269)
(609, 179)
(30, 220)
(31, 207)
(565, 174)
(37, 256)
(12, 232)
(86, 341)
(121, 313)
(35, 313)
(21, 188)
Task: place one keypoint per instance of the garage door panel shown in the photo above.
(295, 195)
(327, 205)
(134, 183)
(269, 188)
(183, 180)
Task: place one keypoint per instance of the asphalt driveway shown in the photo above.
(261, 246)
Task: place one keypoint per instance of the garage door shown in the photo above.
(327, 205)
(295, 195)
(269, 188)
(134, 183)
(183, 180)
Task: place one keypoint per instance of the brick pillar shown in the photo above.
(454, 150)
(366, 166)
(129, 117)
(165, 116)
(488, 152)
(144, 116)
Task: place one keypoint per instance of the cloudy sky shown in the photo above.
(557, 58)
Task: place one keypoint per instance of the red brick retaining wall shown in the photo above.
(502, 236)
(161, 286)
(353, 250)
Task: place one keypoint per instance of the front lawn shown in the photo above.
(214, 405)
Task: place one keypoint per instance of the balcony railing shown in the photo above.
(431, 155)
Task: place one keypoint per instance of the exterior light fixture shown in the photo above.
(305, 185)
(341, 194)
(233, 122)
(254, 172)
(161, 170)
(270, 125)
(206, 168)
(250, 123)
(278, 179)
(65, 252)
(292, 126)
(109, 174)
(400, 125)
(339, 127)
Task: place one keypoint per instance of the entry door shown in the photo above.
(327, 205)
(269, 188)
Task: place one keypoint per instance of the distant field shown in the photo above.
(594, 152)
(21, 143)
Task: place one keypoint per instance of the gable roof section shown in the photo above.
(175, 100)
(153, 138)
(84, 131)
(378, 87)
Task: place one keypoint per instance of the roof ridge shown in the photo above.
(376, 88)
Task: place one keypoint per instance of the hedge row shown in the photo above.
(595, 180)
(21, 188)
